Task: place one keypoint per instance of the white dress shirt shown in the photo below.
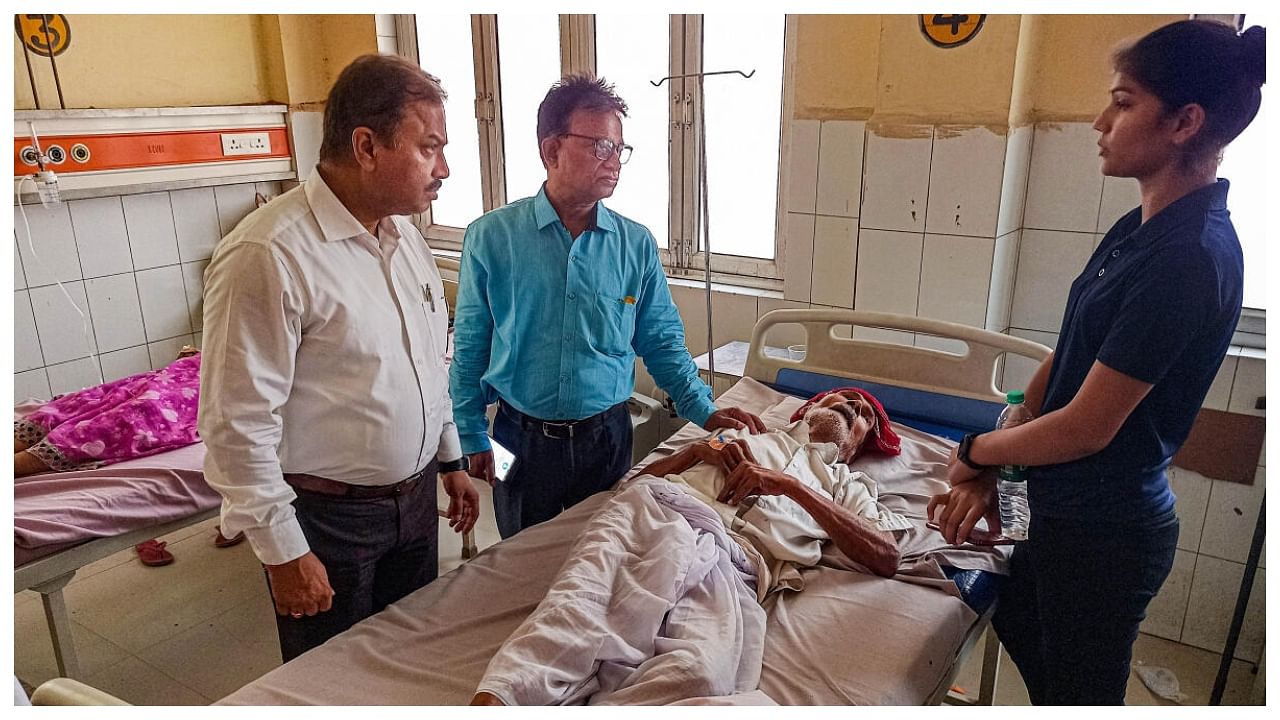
(323, 354)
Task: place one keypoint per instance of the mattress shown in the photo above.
(55, 511)
(848, 638)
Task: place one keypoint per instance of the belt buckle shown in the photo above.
(566, 425)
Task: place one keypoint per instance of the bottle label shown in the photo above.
(1013, 473)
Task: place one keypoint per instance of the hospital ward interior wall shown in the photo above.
(134, 261)
(963, 185)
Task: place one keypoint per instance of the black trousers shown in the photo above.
(550, 473)
(375, 552)
(1070, 609)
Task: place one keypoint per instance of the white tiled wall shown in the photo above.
(895, 182)
(965, 180)
(385, 24)
(132, 264)
(1065, 187)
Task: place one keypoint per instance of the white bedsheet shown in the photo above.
(848, 639)
(655, 605)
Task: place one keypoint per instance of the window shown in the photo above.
(506, 63)
(1244, 164)
(444, 47)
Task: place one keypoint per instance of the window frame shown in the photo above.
(577, 53)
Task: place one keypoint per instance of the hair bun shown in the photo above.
(1255, 53)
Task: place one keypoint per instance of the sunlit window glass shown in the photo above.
(631, 51)
(444, 47)
(528, 64)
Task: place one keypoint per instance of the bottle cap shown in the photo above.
(1015, 397)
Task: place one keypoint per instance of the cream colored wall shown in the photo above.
(183, 60)
(1018, 70)
(834, 54)
(1065, 70)
(117, 61)
(966, 84)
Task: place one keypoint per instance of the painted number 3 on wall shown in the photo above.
(948, 31)
(44, 35)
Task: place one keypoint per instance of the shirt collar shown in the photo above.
(545, 214)
(1210, 198)
(335, 220)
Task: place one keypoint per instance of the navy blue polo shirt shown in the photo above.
(1158, 302)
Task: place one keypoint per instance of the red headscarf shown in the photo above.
(886, 440)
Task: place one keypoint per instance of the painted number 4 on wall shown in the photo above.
(948, 31)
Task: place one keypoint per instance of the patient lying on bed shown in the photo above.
(128, 418)
(660, 599)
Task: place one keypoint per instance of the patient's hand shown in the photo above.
(749, 478)
(959, 509)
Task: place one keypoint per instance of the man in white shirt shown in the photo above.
(324, 395)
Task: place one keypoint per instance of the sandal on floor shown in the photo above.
(153, 554)
(224, 542)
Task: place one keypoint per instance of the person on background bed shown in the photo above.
(557, 295)
(1146, 327)
(771, 500)
(324, 398)
(132, 417)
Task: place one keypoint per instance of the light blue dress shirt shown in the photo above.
(552, 325)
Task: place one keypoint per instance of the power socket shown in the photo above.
(249, 143)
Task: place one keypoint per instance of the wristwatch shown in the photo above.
(962, 452)
(461, 463)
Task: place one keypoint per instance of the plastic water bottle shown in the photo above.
(1015, 513)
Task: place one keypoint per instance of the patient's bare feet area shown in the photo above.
(484, 698)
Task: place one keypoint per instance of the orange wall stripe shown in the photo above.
(151, 149)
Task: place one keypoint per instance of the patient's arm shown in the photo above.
(857, 539)
(726, 456)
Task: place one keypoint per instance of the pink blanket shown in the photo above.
(53, 511)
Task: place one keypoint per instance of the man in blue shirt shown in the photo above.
(557, 295)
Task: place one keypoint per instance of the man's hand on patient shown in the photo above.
(732, 418)
(959, 509)
(464, 501)
(726, 455)
(481, 467)
(300, 587)
(749, 478)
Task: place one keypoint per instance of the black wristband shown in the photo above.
(455, 465)
(962, 452)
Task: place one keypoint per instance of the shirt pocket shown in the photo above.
(613, 324)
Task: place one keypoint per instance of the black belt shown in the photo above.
(325, 486)
(557, 429)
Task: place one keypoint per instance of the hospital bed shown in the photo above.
(848, 638)
(64, 521)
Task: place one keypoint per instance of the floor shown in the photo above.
(194, 631)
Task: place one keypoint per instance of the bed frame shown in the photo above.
(50, 574)
(959, 388)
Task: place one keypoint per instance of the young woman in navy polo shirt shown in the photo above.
(1146, 327)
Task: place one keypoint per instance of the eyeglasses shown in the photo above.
(605, 148)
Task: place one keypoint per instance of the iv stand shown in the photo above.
(704, 226)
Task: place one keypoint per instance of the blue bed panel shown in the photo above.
(945, 415)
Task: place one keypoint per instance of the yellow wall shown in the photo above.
(966, 84)
(119, 61)
(1018, 69)
(836, 58)
(1066, 71)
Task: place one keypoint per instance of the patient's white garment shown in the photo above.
(777, 526)
(655, 605)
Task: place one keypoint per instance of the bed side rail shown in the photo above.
(970, 372)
